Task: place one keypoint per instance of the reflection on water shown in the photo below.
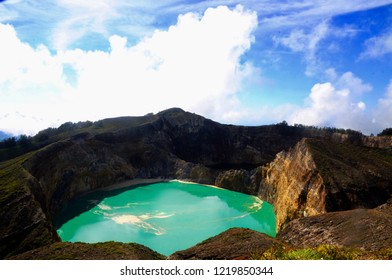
(166, 217)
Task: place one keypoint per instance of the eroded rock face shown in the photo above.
(24, 224)
(293, 185)
(367, 229)
(69, 168)
(318, 176)
(377, 141)
(236, 180)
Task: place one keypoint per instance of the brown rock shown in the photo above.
(366, 229)
(292, 184)
(235, 243)
(318, 176)
(96, 251)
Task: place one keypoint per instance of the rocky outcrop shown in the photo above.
(386, 207)
(235, 243)
(196, 173)
(293, 185)
(366, 229)
(354, 176)
(318, 176)
(24, 224)
(95, 251)
(236, 180)
(377, 141)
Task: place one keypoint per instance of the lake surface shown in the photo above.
(166, 216)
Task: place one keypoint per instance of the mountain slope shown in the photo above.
(299, 177)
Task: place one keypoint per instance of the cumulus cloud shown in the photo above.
(31, 82)
(354, 84)
(336, 104)
(194, 64)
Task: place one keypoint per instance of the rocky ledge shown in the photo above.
(365, 229)
(233, 244)
(96, 251)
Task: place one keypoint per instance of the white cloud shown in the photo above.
(383, 113)
(331, 74)
(309, 42)
(195, 65)
(279, 15)
(31, 82)
(73, 20)
(325, 103)
(82, 17)
(336, 104)
(306, 43)
(354, 84)
(378, 46)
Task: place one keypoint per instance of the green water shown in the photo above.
(165, 217)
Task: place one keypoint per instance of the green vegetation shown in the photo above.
(386, 132)
(322, 252)
(14, 189)
(12, 179)
(15, 146)
(350, 132)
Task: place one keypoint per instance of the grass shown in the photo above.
(19, 213)
(322, 252)
(12, 179)
(69, 130)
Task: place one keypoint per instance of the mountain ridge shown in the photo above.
(178, 145)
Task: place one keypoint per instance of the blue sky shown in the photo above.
(315, 62)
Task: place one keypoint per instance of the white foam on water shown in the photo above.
(162, 215)
(127, 219)
(103, 206)
(141, 221)
(238, 217)
(257, 205)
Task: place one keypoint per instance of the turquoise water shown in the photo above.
(166, 216)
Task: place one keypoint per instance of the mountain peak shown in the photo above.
(171, 111)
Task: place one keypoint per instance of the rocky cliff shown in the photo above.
(293, 185)
(327, 171)
(366, 229)
(318, 176)
(171, 144)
